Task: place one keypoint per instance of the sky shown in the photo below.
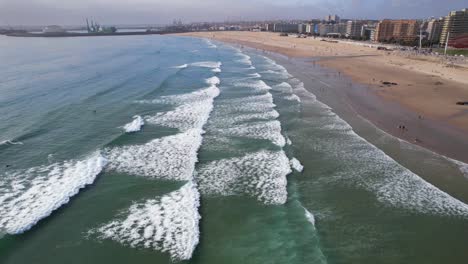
(74, 12)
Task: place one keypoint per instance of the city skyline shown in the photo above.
(43, 12)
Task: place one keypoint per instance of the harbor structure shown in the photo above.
(53, 29)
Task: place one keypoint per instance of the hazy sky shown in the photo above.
(74, 12)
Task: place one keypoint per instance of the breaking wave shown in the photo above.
(368, 167)
(296, 165)
(207, 64)
(28, 196)
(183, 66)
(257, 85)
(309, 216)
(169, 158)
(270, 130)
(135, 125)
(169, 224)
(261, 175)
(193, 113)
(10, 142)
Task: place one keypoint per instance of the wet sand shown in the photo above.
(421, 102)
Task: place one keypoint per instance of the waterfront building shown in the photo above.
(310, 28)
(354, 28)
(270, 27)
(286, 28)
(302, 28)
(403, 30)
(332, 19)
(455, 26)
(367, 32)
(434, 30)
(332, 29)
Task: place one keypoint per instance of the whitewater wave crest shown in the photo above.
(261, 175)
(168, 224)
(28, 196)
(135, 125)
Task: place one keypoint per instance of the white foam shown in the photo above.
(255, 75)
(213, 81)
(228, 120)
(288, 141)
(283, 87)
(245, 59)
(309, 216)
(28, 196)
(198, 95)
(256, 85)
(216, 70)
(261, 175)
(210, 44)
(135, 125)
(207, 64)
(169, 224)
(183, 66)
(170, 158)
(296, 165)
(293, 97)
(184, 117)
(368, 167)
(270, 130)
(462, 166)
(10, 142)
(194, 111)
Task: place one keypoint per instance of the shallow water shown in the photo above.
(165, 149)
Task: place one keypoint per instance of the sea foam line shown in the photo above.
(11, 142)
(397, 186)
(28, 196)
(394, 185)
(183, 66)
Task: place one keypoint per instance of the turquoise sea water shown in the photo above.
(160, 149)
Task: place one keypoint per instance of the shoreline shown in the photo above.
(423, 129)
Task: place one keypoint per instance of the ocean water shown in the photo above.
(161, 149)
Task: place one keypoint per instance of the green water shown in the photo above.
(352, 203)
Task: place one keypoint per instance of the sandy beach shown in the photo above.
(422, 97)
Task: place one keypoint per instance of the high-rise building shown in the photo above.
(354, 28)
(335, 29)
(455, 25)
(332, 19)
(434, 29)
(310, 28)
(397, 30)
(270, 27)
(286, 28)
(302, 28)
(324, 29)
(368, 32)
